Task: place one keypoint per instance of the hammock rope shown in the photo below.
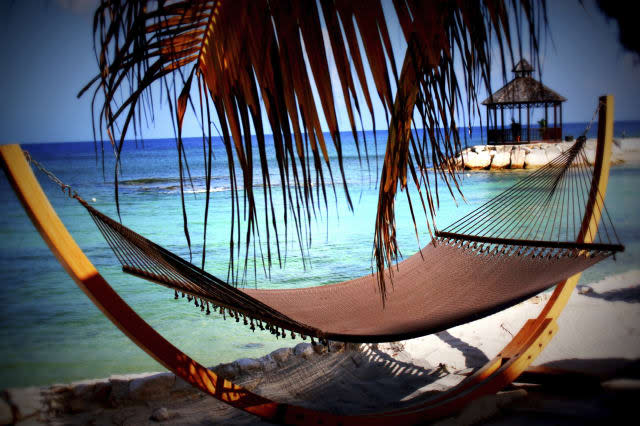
(523, 241)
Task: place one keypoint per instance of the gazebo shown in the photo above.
(523, 93)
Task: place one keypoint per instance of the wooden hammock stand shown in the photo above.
(499, 372)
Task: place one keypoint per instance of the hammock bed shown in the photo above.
(470, 270)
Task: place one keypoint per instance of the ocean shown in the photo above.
(51, 333)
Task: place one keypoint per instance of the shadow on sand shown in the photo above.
(628, 294)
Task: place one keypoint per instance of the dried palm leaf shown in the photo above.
(250, 55)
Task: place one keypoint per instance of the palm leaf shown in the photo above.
(253, 55)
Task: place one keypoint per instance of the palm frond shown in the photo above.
(253, 55)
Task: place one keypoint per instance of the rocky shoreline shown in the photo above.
(535, 155)
(338, 377)
(92, 397)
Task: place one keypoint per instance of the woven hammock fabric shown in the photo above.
(448, 283)
(527, 239)
(441, 287)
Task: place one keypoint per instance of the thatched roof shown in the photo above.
(523, 90)
(523, 67)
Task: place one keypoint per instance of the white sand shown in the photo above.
(590, 328)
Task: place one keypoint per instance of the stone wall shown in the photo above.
(36, 405)
(530, 156)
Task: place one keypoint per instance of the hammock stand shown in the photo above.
(502, 370)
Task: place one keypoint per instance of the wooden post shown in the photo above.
(560, 121)
(520, 114)
(528, 130)
(489, 124)
(555, 118)
(502, 124)
(546, 115)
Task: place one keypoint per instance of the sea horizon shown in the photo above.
(573, 128)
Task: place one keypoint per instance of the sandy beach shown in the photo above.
(599, 340)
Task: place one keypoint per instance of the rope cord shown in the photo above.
(546, 207)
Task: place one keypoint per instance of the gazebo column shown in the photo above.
(561, 121)
(546, 116)
(528, 130)
(502, 124)
(519, 138)
(555, 119)
(520, 114)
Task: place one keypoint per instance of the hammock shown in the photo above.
(545, 247)
(516, 245)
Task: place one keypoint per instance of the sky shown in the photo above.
(47, 51)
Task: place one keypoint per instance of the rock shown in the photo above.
(268, 363)
(585, 289)
(160, 414)
(617, 158)
(247, 365)
(564, 146)
(84, 389)
(536, 158)
(58, 389)
(120, 386)
(281, 355)
(319, 348)
(55, 407)
(517, 158)
(101, 391)
(27, 401)
(469, 157)
(151, 387)
(181, 385)
(227, 371)
(590, 154)
(552, 152)
(483, 160)
(6, 415)
(501, 160)
(336, 346)
(304, 350)
(475, 161)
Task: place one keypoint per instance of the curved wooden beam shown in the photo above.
(495, 375)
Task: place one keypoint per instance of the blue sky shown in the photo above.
(47, 51)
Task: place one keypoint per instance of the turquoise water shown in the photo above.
(50, 332)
